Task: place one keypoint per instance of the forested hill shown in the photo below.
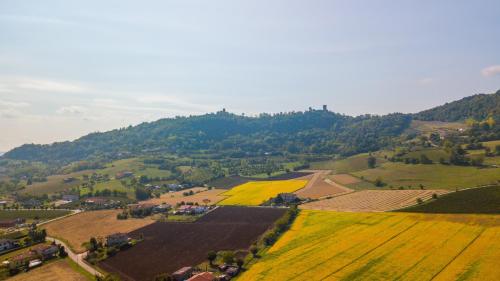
(224, 134)
(478, 107)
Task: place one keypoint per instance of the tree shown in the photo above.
(228, 257)
(424, 159)
(254, 250)
(211, 256)
(141, 193)
(62, 251)
(379, 182)
(372, 162)
(239, 263)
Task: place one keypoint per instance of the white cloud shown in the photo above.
(72, 110)
(491, 70)
(11, 104)
(425, 81)
(15, 84)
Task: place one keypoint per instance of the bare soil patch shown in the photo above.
(372, 200)
(79, 228)
(344, 179)
(319, 186)
(168, 246)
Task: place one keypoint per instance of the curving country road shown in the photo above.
(78, 258)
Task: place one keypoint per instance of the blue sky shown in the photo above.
(68, 68)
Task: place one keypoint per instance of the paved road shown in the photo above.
(78, 258)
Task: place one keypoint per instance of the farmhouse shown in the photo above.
(45, 251)
(31, 203)
(68, 180)
(288, 197)
(163, 208)
(70, 197)
(124, 174)
(183, 273)
(7, 244)
(203, 276)
(116, 239)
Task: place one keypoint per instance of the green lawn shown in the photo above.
(351, 164)
(435, 176)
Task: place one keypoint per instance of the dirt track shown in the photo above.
(318, 186)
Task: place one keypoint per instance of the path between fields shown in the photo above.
(78, 258)
(319, 186)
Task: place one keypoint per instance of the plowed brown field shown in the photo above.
(169, 246)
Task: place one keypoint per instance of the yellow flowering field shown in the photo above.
(325, 245)
(256, 192)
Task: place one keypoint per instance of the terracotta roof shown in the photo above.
(204, 276)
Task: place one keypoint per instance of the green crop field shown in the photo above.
(323, 245)
(483, 200)
(32, 214)
(351, 164)
(434, 154)
(435, 176)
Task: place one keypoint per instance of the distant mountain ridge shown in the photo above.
(478, 106)
(223, 134)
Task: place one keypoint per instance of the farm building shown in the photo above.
(116, 239)
(191, 210)
(7, 244)
(163, 208)
(124, 174)
(45, 251)
(288, 197)
(22, 259)
(203, 276)
(183, 273)
(70, 197)
(31, 203)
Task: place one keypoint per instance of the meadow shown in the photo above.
(435, 176)
(257, 192)
(351, 164)
(323, 245)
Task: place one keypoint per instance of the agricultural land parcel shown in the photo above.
(373, 200)
(435, 176)
(201, 196)
(81, 227)
(30, 215)
(60, 270)
(318, 186)
(324, 245)
(256, 193)
(168, 246)
(483, 200)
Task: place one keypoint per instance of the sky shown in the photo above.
(68, 68)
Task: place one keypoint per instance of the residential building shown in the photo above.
(117, 239)
(8, 244)
(183, 273)
(46, 251)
